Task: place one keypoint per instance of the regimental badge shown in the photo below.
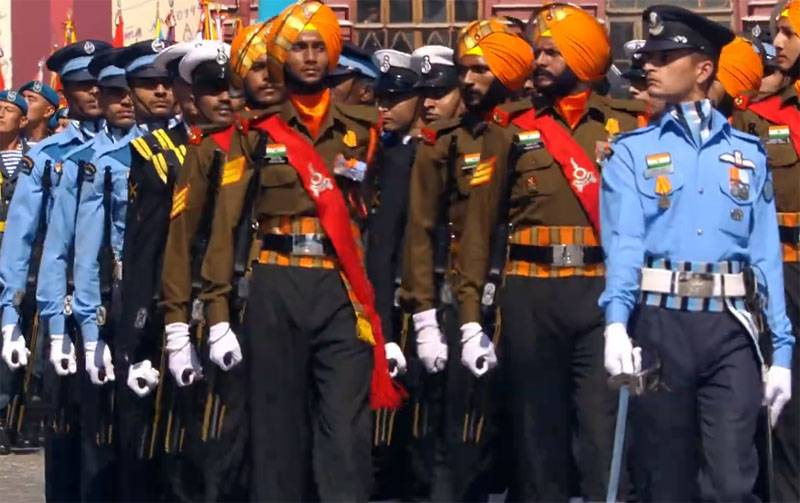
(386, 64)
(350, 139)
(426, 65)
(221, 58)
(680, 39)
(319, 182)
(57, 167)
(658, 164)
(88, 170)
(501, 117)
(276, 154)
(157, 45)
(741, 102)
(88, 47)
(529, 140)
(778, 135)
(11, 96)
(532, 184)
(133, 191)
(656, 27)
(37, 86)
(581, 176)
(471, 161)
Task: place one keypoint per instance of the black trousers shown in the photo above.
(309, 379)
(786, 436)
(559, 406)
(694, 437)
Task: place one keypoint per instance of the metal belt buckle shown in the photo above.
(694, 284)
(568, 256)
(307, 245)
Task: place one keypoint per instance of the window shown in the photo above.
(689, 4)
(369, 11)
(466, 10)
(400, 11)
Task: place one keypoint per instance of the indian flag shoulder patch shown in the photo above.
(778, 133)
(658, 164)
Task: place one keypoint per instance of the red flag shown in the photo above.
(119, 30)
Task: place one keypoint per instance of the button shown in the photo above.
(699, 232)
(700, 190)
(737, 214)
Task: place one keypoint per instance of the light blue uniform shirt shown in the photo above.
(27, 204)
(114, 160)
(709, 218)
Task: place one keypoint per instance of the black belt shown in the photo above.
(557, 255)
(789, 235)
(304, 245)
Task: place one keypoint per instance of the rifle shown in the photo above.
(243, 238)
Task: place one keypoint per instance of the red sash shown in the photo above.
(771, 110)
(335, 219)
(580, 171)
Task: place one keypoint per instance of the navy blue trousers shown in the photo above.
(694, 437)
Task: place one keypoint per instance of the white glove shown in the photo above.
(431, 344)
(15, 353)
(98, 362)
(477, 350)
(224, 347)
(620, 355)
(395, 354)
(142, 378)
(62, 355)
(777, 391)
(184, 365)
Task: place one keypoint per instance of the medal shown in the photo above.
(663, 188)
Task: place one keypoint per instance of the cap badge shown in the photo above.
(221, 58)
(385, 64)
(426, 65)
(656, 25)
(11, 96)
(88, 47)
(37, 86)
(157, 45)
(756, 31)
(680, 39)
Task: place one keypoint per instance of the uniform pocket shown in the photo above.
(278, 176)
(781, 155)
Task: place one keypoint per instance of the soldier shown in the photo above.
(13, 110)
(27, 217)
(398, 103)
(309, 370)
(42, 105)
(688, 218)
(492, 63)
(353, 80)
(538, 180)
(441, 98)
(774, 119)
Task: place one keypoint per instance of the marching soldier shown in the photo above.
(42, 105)
(13, 110)
(492, 64)
(19, 256)
(156, 160)
(774, 119)
(310, 373)
(538, 180)
(353, 80)
(688, 219)
(398, 103)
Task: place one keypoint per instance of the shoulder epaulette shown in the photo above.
(627, 105)
(747, 137)
(502, 115)
(633, 132)
(361, 113)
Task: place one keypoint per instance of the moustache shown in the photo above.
(540, 72)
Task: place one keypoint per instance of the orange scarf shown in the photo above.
(312, 109)
(573, 107)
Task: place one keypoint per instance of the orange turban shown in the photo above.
(508, 56)
(309, 15)
(247, 46)
(580, 38)
(740, 68)
(792, 12)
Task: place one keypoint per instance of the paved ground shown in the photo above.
(22, 478)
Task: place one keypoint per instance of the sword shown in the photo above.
(627, 384)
